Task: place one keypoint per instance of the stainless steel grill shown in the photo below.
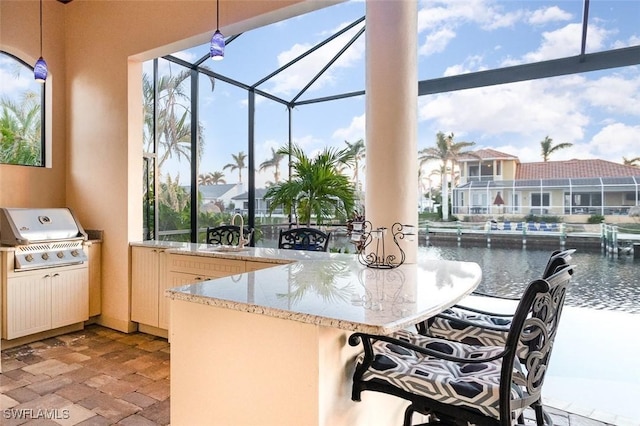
(43, 238)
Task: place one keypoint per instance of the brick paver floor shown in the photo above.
(96, 376)
(99, 376)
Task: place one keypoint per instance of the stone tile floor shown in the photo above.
(99, 376)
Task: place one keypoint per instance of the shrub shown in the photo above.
(548, 219)
(595, 218)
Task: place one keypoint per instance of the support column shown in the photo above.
(391, 108)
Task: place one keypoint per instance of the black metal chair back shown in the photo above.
(228, 235)
(309, 239)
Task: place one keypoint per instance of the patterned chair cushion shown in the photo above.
(452, 330)
(476, 386)
(446, 328)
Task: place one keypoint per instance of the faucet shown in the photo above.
(241, 240)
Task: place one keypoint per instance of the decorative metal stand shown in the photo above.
(363, 235)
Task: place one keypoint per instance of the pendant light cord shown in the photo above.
(217, 15)
(40, 28)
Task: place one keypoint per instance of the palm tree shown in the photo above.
(20, 130)
(173, 117)
(238, 164)
(315, 187)
(173, 195)
(548, 148)
(273, 162)
(214, 178)
(358, 150)
(447, 152)
(631, 161)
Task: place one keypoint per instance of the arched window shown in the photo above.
(21, 114)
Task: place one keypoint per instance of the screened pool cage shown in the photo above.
(554, 197)
(548, 197)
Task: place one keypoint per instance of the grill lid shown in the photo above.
(20, 226)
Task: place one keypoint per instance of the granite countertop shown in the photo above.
(251, 254)
(330, 289)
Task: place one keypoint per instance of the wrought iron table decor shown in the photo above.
(364, 236)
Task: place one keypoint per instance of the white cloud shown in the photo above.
(471, 64)
(563, 42)
(615, 141)
(15, 78)
(186, 56)
(487, 13)
(615, 94)
(352, 133)
(534, 107)
(297, 76)
(436, 41)
(633, 40)
(514, 118)
(548, 14)
(441, 20)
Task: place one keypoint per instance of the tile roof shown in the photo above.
(487, 154)
(574, 169)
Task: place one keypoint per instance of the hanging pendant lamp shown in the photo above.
(40, 70)
(216, 50)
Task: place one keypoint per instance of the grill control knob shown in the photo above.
(45, 256)
(75, 253)
(60, 255)
(28, 258)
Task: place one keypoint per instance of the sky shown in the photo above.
(598, 112)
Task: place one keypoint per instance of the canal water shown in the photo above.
(601, 281)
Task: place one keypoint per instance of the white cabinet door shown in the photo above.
(146, 264)
(28, 305)
(95, 278)
(69, 297)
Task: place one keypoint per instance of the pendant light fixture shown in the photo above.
(216, 49)
(40, 70)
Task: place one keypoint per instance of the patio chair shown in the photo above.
(506, 225)
(309, 239)
(456, 383)
(227, 235)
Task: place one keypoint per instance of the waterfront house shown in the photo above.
(494, 183)
(221, 194)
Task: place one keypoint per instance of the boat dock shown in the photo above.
(601, 237)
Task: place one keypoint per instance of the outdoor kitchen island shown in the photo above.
(269, 347)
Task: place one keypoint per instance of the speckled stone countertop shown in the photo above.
(330, 289)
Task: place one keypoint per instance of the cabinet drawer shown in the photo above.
(206, 267)
(256, 266)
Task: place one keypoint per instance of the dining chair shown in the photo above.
(226, 235)
(309, 239)
(456, 383)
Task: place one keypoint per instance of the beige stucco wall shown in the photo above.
(94, 51)
(20, 36)
(508, 170)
